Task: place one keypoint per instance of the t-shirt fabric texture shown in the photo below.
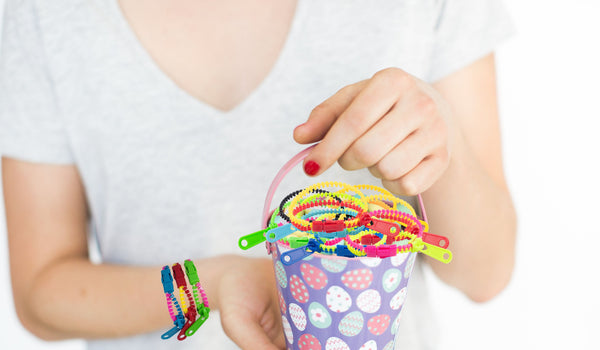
(168, 177)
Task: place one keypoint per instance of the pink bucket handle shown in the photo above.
(285, 170)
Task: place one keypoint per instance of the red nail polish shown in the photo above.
(311, 168)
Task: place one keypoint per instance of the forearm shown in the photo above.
(477, 215)
(73, 298)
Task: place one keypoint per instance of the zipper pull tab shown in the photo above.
(191, 319)
(437, 240)
(202, 317)
(440, 254)
(293, 256)
(297, 242)
(277, 233)
(248, 241)
(387, 228)
(171, 332)
(179, 322)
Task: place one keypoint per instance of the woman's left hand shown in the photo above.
(394, 124)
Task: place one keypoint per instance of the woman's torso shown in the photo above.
(217, 51)
(175, 166)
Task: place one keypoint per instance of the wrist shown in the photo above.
(211, 272)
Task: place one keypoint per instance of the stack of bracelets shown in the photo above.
(339, 219)
(193, 312)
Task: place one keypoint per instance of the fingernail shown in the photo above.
(311, 168)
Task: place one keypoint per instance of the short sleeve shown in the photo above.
(30, 125)
(465, 31)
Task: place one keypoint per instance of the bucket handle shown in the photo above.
(286, 169)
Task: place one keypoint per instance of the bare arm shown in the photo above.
(442, 140)
(58, 292)
(471, 202)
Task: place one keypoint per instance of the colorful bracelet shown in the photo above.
(193, 312)
(179, 318)
(338, 219)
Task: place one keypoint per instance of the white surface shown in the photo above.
(548, 76)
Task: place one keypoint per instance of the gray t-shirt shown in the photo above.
(168, 177)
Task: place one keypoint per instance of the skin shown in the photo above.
(441, 140)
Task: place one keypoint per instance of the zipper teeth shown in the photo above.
(334, 184)
(306, 227)
(329, 249)
(184, 305)
(394, 200)
(406, 219)
(399, 216)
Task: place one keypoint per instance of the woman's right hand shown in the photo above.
(249, 305)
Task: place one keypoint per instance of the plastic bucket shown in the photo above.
(336, 303)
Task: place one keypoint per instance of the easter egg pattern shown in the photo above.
(351, 324)
(314, 277)
(371, 262)
(370, 345)
(334, 265)
(335, 343)
(280, 274)
(389, 346)
(339, 304)
(378, 324)
(358, 279)
(298, 289)
(282, 306)
(409, 266)
(298, 316)
(318, 315)
(397, 260)
(287, 330)
(369, 301)
(308, 342)
(338, 300)
(391, 280)
(398, 299)
(396, 324)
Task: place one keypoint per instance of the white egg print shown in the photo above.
(370, 345)
(371, 262)
(396, 323)
(338, 300)
(369, 301)
(398, 299)
(397, 260)
(298, 316)
(389, 346)
(287, 330)
(409, 265)
(335, 343)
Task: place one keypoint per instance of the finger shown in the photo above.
(370, 105)
(370, 148)
(407, 155)
(246, 332)
(419, 179)
(324, 115)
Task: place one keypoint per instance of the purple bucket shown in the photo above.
(336, 303)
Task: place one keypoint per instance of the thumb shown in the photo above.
(325, 114)
(248, 333)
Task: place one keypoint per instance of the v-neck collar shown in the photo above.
(149, 63)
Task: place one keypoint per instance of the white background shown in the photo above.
(549, 76)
